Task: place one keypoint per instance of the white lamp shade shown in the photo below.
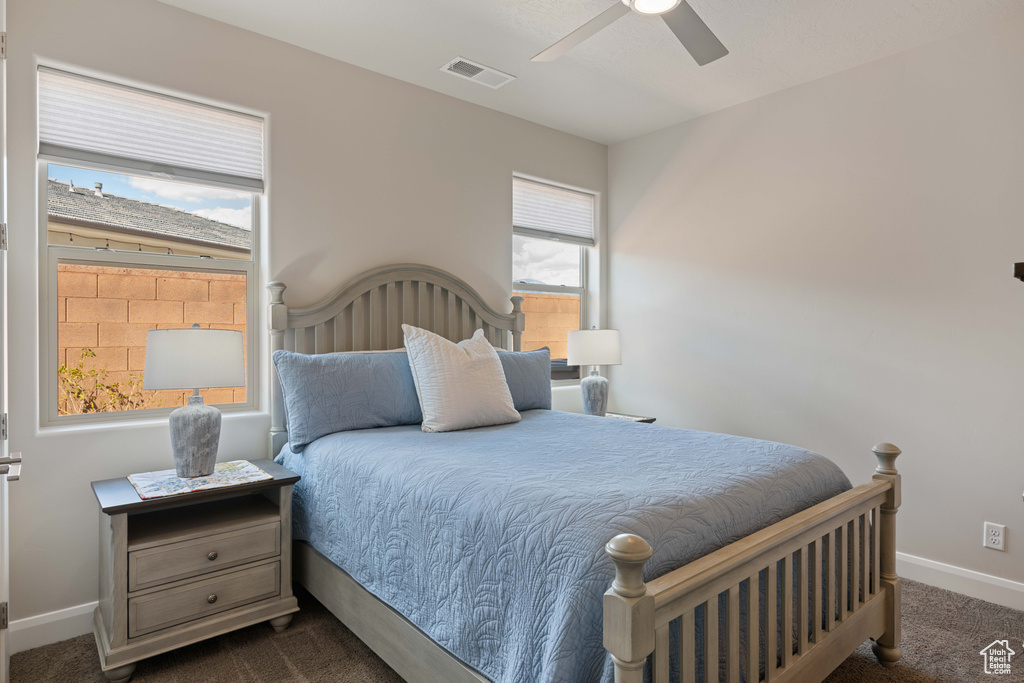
(193, 359)
(594, 347)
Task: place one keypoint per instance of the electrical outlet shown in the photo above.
(995, 536)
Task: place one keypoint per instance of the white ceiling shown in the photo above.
(632, 78)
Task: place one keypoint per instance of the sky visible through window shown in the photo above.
(226, 206)
(539, 261)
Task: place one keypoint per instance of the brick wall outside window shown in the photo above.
(549, 318)
(110, 309)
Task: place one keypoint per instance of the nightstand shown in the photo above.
(180, 569)
(630, 418)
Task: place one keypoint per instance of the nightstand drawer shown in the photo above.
(165, 563)
(166, 608)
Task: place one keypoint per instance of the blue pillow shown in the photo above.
(337, 392)
(528, 374)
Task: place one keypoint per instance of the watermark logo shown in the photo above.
(997, 657)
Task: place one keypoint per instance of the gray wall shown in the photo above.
(363, 170)
(830, 266)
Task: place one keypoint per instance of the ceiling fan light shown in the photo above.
(651, 6)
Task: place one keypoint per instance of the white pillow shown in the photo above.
(460, 386)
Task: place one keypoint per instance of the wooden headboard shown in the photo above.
(367, 313)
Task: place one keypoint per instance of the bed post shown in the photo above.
(519, 324)
(629, 609)
(277, 321)
(887, 647)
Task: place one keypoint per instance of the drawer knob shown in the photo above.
(212, 556)
(212, 599)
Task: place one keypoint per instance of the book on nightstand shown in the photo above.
(165, 483)
(630, 418)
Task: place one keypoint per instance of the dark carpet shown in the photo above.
(943, 633)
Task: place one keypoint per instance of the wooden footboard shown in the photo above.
(840, 559)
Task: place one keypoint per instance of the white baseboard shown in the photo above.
(967, 581)
(52, 627)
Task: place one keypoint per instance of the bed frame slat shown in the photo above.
(711, 649)
(828, 562)
(855, 564)
(301, 345)
(342, 330)
(787, 611)
(410, 295)
(732, 633)
(325, 337)
(688, 648)
(752, 662)
(453, 317)
(439, 323)
(875, 549)
(378, 318)
(423, 310)
(816, 572)
(771, 645)
(394, 310)
(865, 555)
(842, 534)
(802, 590)
(660, 665)
(467, 321)
(360, 325)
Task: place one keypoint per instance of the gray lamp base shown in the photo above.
(195, 435)
(595, 394)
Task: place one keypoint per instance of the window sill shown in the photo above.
(61, 427)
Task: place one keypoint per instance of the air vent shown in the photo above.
(478, 73)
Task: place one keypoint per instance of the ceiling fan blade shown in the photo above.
(588, 29)
(694, 34)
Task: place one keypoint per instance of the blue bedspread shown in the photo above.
(491, 540)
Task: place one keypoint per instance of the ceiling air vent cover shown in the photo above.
(478, 73)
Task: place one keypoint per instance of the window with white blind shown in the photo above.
(92, 122)
(555, 213)
(553, 228)
(151, 222)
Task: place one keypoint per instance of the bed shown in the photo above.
(487, 554)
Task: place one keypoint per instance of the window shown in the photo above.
(552, 230)
(151, 222)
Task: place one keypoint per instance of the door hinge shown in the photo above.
(3, 45)
(3, 237)
(3, 615)
(3, 427)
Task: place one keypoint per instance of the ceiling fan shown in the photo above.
(691, 31)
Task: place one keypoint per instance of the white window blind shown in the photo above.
(87, 121)
(542, 210)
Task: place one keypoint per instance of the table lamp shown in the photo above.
(594, 348)
(194, 359)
